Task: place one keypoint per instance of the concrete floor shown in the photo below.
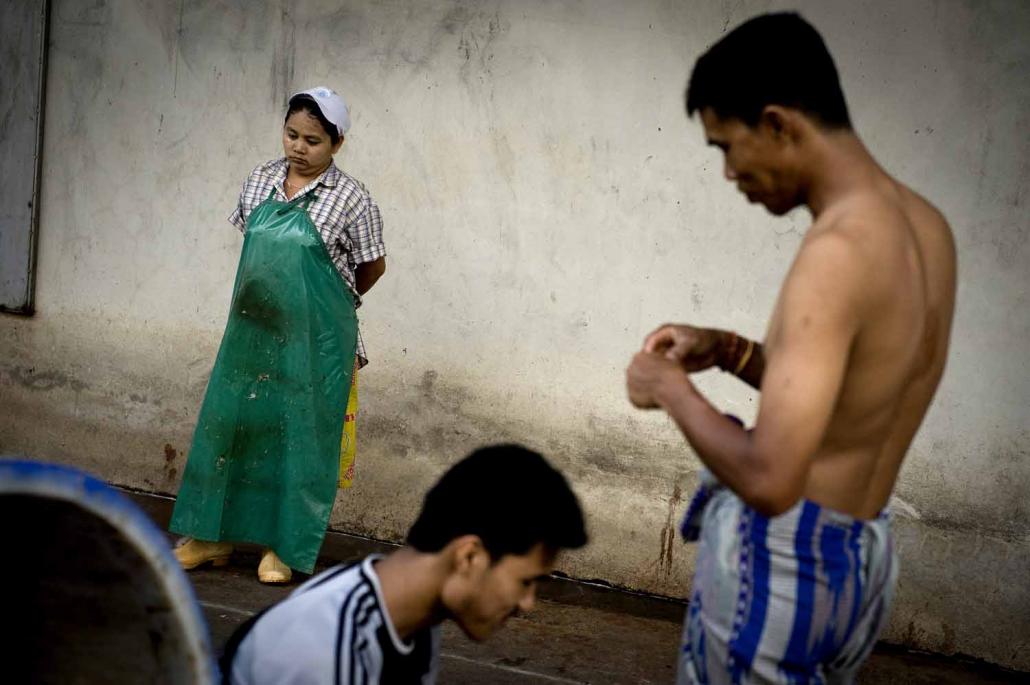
(577, 634)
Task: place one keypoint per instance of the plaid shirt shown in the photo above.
(343, 212)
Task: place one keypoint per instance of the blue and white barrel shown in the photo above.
(91, 591)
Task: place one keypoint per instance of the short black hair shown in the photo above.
(306, 103)
(507, 495)
(772, 59)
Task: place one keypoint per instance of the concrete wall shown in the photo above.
(547, 203)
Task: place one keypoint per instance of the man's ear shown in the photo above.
(468, 555)
(780, 122)
(339, 144)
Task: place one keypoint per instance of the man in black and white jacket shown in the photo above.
(488, 531)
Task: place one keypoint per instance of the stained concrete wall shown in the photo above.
(547, 203)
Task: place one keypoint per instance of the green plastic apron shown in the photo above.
(266, 451)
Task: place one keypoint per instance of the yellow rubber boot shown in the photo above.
(192, 553)
(272, 570)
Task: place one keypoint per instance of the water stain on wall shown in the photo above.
(170, 469)
(32, 379)
(668, 534)
(285, 56)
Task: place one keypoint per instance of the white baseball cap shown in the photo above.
(331, 105)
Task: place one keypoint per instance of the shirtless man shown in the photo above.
(795, 570)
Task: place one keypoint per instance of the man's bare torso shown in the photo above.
(907, 258)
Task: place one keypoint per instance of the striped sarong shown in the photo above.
(796, 598)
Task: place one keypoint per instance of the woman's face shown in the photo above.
(306, 144)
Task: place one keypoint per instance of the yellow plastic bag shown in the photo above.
(348, 441)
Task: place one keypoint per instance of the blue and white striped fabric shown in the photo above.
(798, 598)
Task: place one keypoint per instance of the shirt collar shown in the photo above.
(330, 176)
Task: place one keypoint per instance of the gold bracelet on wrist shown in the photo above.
(745, 358)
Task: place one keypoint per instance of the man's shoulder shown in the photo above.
(831, 247)
(873, 212)
(884, 227)
(334, 579)
(297, 635)
(859, 233)
(860, 212)
(831, 272)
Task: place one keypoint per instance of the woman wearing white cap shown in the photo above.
(270, 446)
